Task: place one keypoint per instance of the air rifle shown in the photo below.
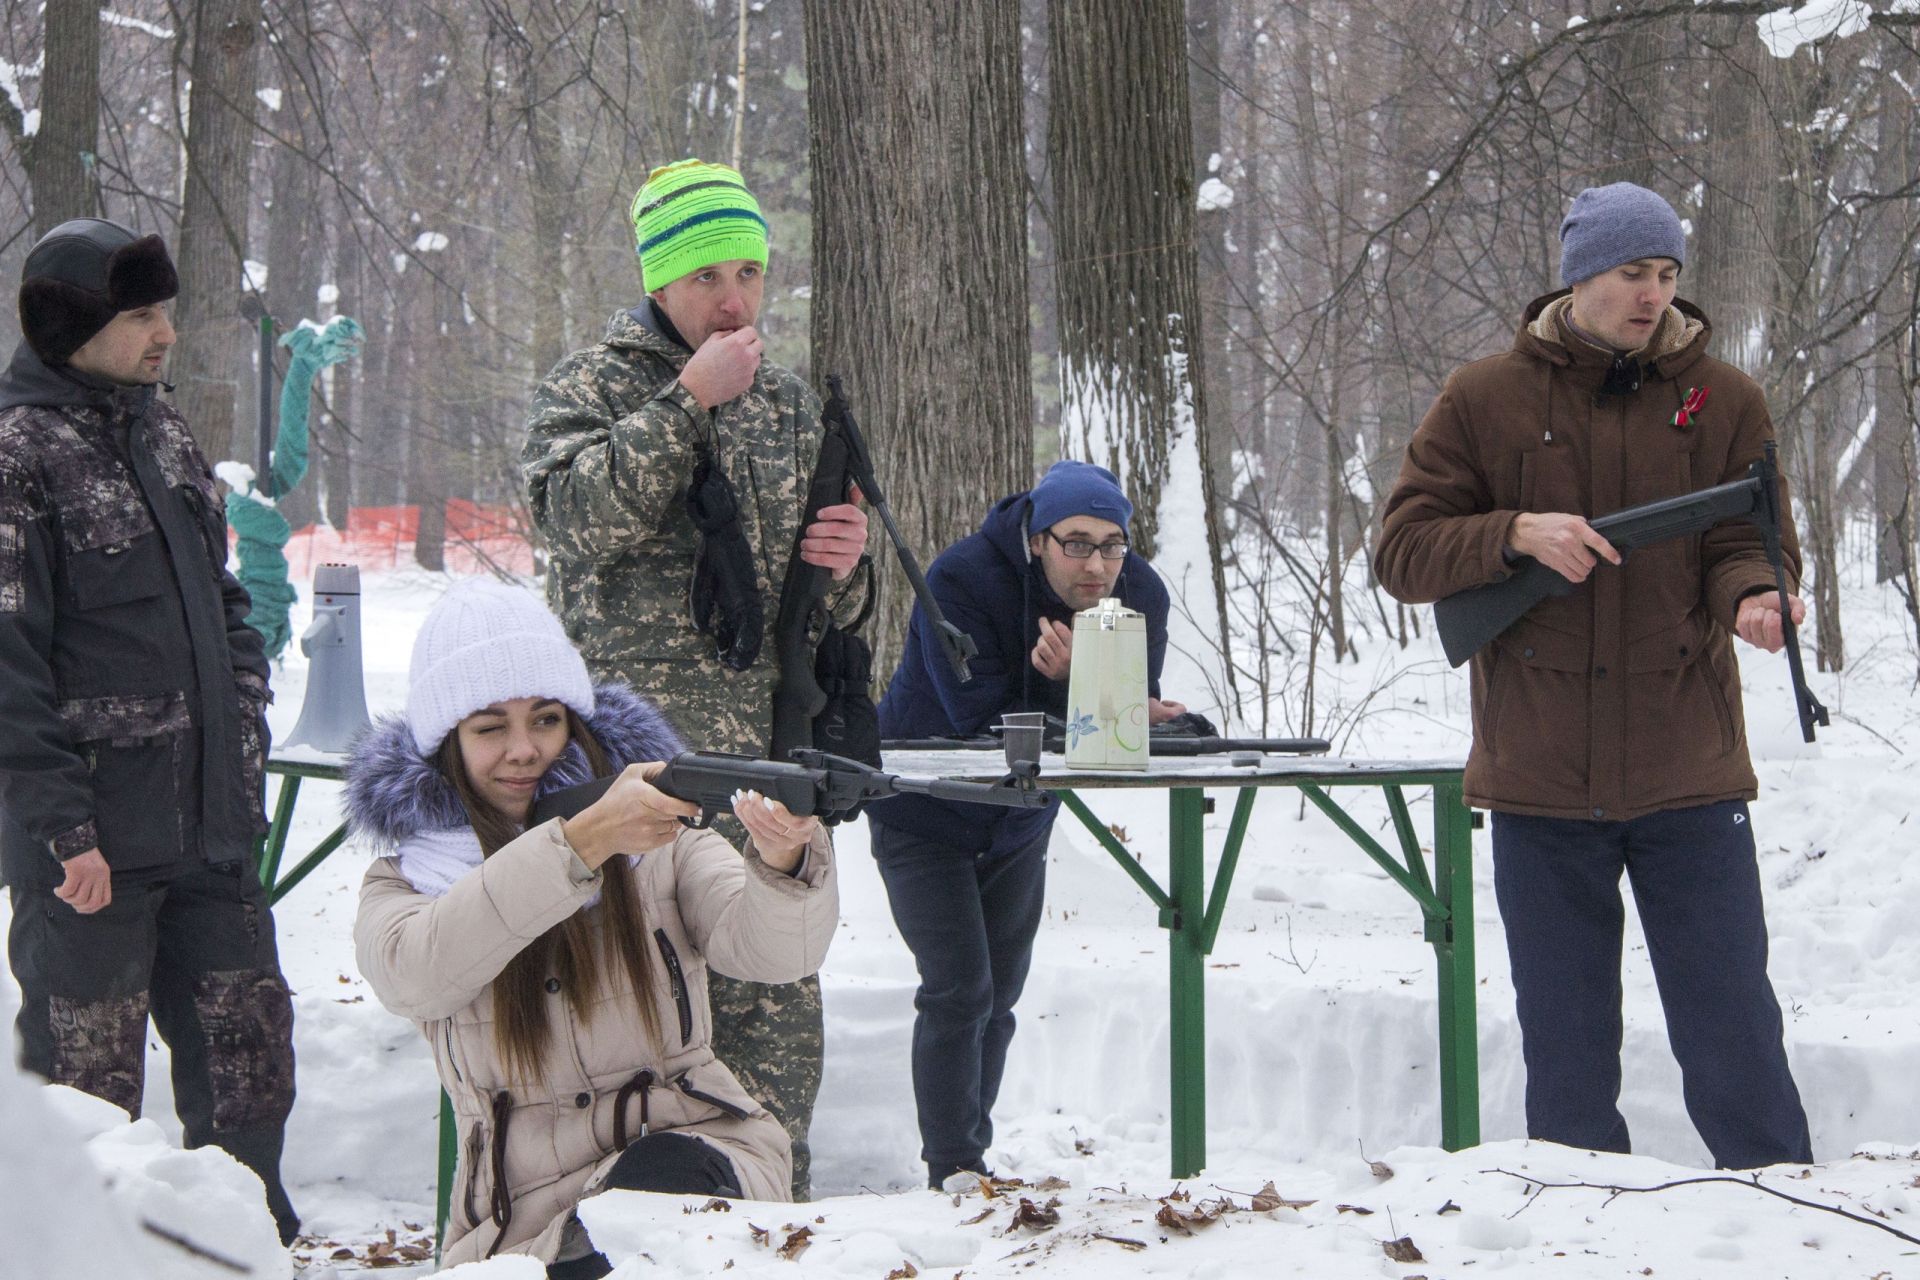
(814, 783)
(1157, 745)
(1470, 619)
(842, 464)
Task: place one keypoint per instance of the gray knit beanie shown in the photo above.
(487, 642)
(1614, 224)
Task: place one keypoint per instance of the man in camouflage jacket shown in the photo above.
(613, 437)
(132, 740)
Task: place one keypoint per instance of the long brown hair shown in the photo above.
(579, 950)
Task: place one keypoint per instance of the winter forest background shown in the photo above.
(1251, 232)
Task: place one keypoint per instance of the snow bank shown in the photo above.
(84, 1195)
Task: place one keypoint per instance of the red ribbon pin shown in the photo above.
(1696, 396)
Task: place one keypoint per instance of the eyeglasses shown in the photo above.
(1081, 549)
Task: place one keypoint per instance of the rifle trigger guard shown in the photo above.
(699, 823)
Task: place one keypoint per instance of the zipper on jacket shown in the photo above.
(678, 981)
(733, 1109)
(453, 1063)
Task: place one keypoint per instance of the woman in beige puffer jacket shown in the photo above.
(518, 953)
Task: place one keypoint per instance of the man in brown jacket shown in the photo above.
(1607, 727)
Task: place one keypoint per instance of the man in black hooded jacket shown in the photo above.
(132, 739)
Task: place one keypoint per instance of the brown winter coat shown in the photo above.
(1622, 698)
(434, 959)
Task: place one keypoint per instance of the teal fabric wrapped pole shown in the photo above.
(253, 511)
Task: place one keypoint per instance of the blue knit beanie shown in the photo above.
(1614, 224)
(1077, 489)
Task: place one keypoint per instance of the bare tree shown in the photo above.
(212, 245)
(59, 154)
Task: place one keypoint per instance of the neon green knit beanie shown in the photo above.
(691, 215)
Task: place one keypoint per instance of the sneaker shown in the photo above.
(956, 1182)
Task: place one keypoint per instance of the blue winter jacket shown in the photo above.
(991, 588)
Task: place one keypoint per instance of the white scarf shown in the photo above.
(433, 860)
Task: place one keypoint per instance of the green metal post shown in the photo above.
(449, 1155)
(1453, 949)
(280, 888)
(1186, 978)
(276, 841)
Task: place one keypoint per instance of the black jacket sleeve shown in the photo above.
(45, 786)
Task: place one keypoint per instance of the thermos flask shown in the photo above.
(1107, 689)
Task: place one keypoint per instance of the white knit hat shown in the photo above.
(487, 642)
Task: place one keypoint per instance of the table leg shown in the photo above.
(276, 839)
(1453, 948)
(1187, 1024)
(449, 1155)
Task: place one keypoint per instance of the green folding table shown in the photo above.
(1191, 914)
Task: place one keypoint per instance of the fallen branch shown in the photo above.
(1752, 1182)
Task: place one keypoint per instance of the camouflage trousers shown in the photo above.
(772, 1036)
(195, 951)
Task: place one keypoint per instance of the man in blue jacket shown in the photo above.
(966, 882)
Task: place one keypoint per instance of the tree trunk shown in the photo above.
(1133, 370)
(1810, 452)
(1894, 471)
(213, 346)
(550, 190)
(1627, 94)
(1730, 272)
(919, 245)
(60, 162)
(1210, 153)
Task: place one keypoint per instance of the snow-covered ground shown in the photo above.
(1321, 1050)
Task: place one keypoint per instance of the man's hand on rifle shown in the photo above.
(1758, 619)
(1564, 543)
(838, 538)
(723, 368)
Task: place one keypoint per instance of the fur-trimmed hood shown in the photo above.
(393, 792)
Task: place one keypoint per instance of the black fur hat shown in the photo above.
(82, 274)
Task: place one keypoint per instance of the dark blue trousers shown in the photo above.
(970, 921)
(1697, 886)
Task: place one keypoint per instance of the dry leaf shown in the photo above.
(1083, 1146)
(979, 1217)
(1119, 832)
(905, 1271)
(341, 1254)
(1131, 1246)
(1034, 1217)
(1380, 1169)
(1402, 1250)
(1268, 1198)
(1052, 1184)
(761, 1236)
(715, 1205)
(1362, 1210)
(796, 1243)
